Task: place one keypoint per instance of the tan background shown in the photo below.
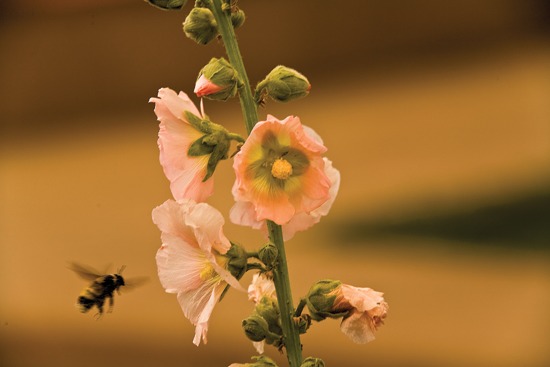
(436, 113)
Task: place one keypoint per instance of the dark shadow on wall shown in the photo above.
(522, 223)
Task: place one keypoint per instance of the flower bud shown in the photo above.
(282, 84)
(320, 299)
(312, 362)
(217, 80)
(167, 4)
(237, 260)
(268, 255)
(255, 328)
(200, 26)
(237, 18)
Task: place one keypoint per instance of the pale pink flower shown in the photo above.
(367, 311)
(280, 173)
(190, 261)
(176, 135)
(205, 87)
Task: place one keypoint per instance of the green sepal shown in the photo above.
(198, 148)
(320, 300)
(198, 123)
(167, 4)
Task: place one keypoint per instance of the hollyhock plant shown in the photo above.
(280, 172)
(283, 185)
(191, 261)
(176, 135)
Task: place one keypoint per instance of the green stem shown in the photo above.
(248, 106)
(284, 298)
(250, 113)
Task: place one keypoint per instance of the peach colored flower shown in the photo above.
(243, 212)
(190, 261)
(279, 173)
(176, 135)
(204, 87)
(366, 312)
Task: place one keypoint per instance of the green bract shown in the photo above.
(320, 300)
(215, 142)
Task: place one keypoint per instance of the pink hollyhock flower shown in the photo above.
(190, 261)
(367, 311)
(204, 87)
(176, 134)
(279, 173)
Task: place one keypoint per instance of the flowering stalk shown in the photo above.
(250, 113)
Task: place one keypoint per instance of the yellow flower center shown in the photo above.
(208, 272)
(281, 169)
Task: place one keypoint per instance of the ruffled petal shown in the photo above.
(358, 327)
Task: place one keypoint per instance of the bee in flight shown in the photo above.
(101, 288)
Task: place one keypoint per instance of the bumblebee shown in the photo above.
(101, 288)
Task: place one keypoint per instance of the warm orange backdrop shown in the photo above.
(436, 113)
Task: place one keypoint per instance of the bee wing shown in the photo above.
(84, 272)
(134, 282)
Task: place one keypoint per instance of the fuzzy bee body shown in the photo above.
(102, 287)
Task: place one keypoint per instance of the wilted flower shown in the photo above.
(244, 213)
(363, 309)
(261, 287)
(192, 260)
(176, 135)
(279, 173)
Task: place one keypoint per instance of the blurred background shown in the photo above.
(437, 115)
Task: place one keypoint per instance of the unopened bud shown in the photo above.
(237, 18)
(312, 362)
(282, 84)
(167, 4)
(200, 26)
(268, 255)
(237, 260)
(255, 328)
(217, 80)
(320, 299)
